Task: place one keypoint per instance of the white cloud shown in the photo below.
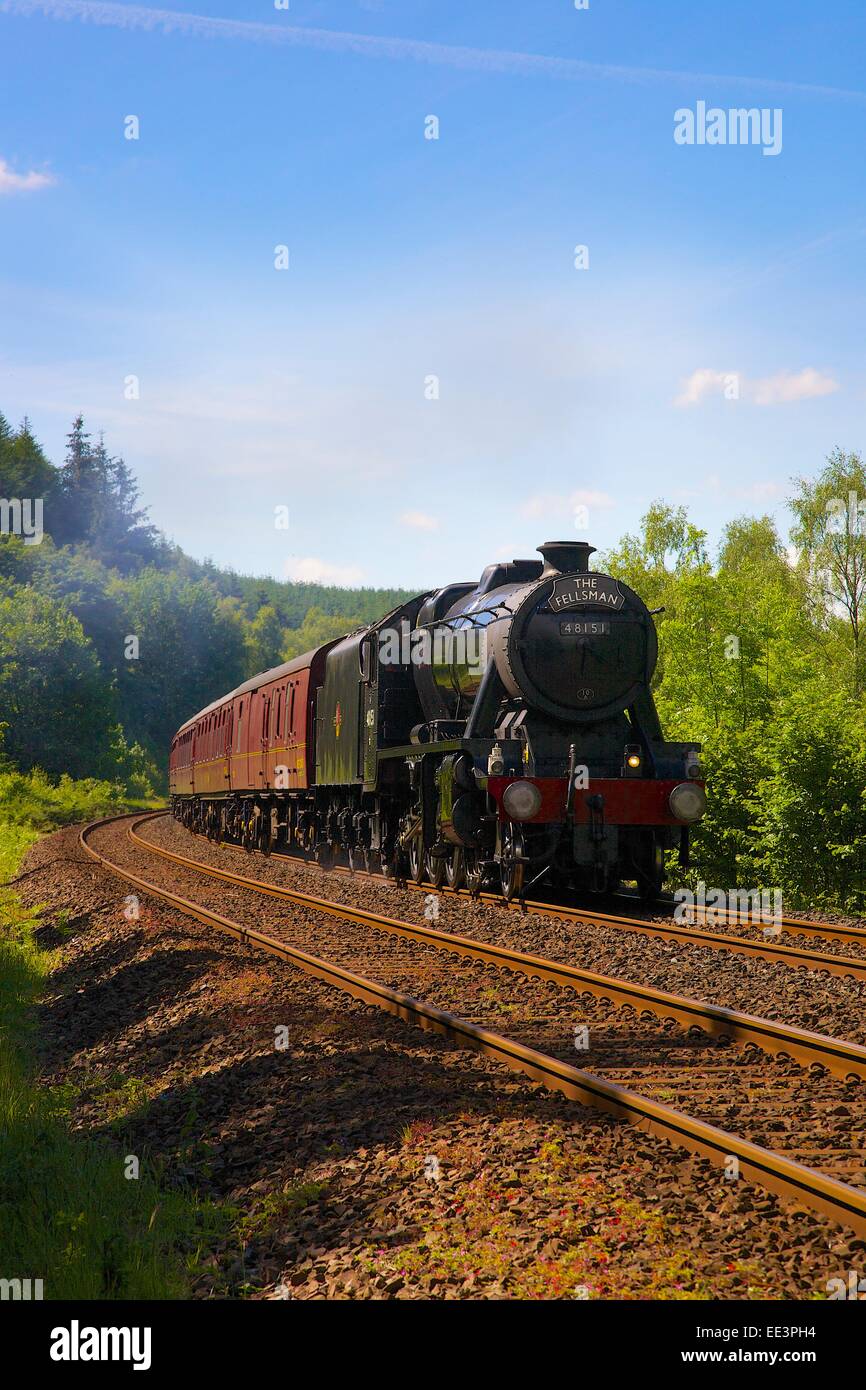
(310, 570)
(557, 504)
(591, 499)
(793, 386)
(10, 182)
(762, 492)
(782, 389)
(420, 521)
(704, 382)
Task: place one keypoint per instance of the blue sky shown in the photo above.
(410, 258)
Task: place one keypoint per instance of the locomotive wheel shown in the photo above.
(324, 854)
(455, 875)
(397, 866)
(512, 866)
(474, 870)
(248, 833)
(416, 859)
(435, 866)
(266, 835)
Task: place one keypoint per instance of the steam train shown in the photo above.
(493, 733)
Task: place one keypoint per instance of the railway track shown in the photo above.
(842, 1058)
(802, 926)
(853, 967)
(779, 1172)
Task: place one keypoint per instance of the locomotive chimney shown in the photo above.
(565, 557)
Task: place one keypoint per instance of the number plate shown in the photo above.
(584, 627)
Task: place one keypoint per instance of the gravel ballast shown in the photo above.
(369, 1159)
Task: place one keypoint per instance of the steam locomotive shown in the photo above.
(493, 733)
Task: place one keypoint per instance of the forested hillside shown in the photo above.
(74, 696)
(762, 653)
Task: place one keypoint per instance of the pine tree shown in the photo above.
(100, 497)
(79, 487)
(25, 472)
(122, 535)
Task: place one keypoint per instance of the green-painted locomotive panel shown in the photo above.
(339, 719)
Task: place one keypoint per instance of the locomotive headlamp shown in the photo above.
(521, 800)
(688, 802)
(633, 756)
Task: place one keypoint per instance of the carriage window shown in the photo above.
(365, 660)
(240, 724)
(292, 710)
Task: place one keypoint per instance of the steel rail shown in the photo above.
(787, 955)
(793, 956)
(785, 1177)
(798, 926)
(838, 1056)
(839, 931)
(674, 932)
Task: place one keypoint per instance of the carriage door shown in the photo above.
(227, 747)
(369, 698)
(266, 722)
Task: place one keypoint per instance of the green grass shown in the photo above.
(15, 840)
(33, 802)
(68, 1213)
(279, 1209)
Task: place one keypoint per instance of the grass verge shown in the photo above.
(71, 1214)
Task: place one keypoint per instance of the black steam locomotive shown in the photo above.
(492, 733)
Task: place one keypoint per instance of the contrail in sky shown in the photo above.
(485, 60)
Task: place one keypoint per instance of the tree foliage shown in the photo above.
(56, 706)
(110, 637)
(760, 655)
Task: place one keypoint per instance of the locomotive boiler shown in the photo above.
(493, 733)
